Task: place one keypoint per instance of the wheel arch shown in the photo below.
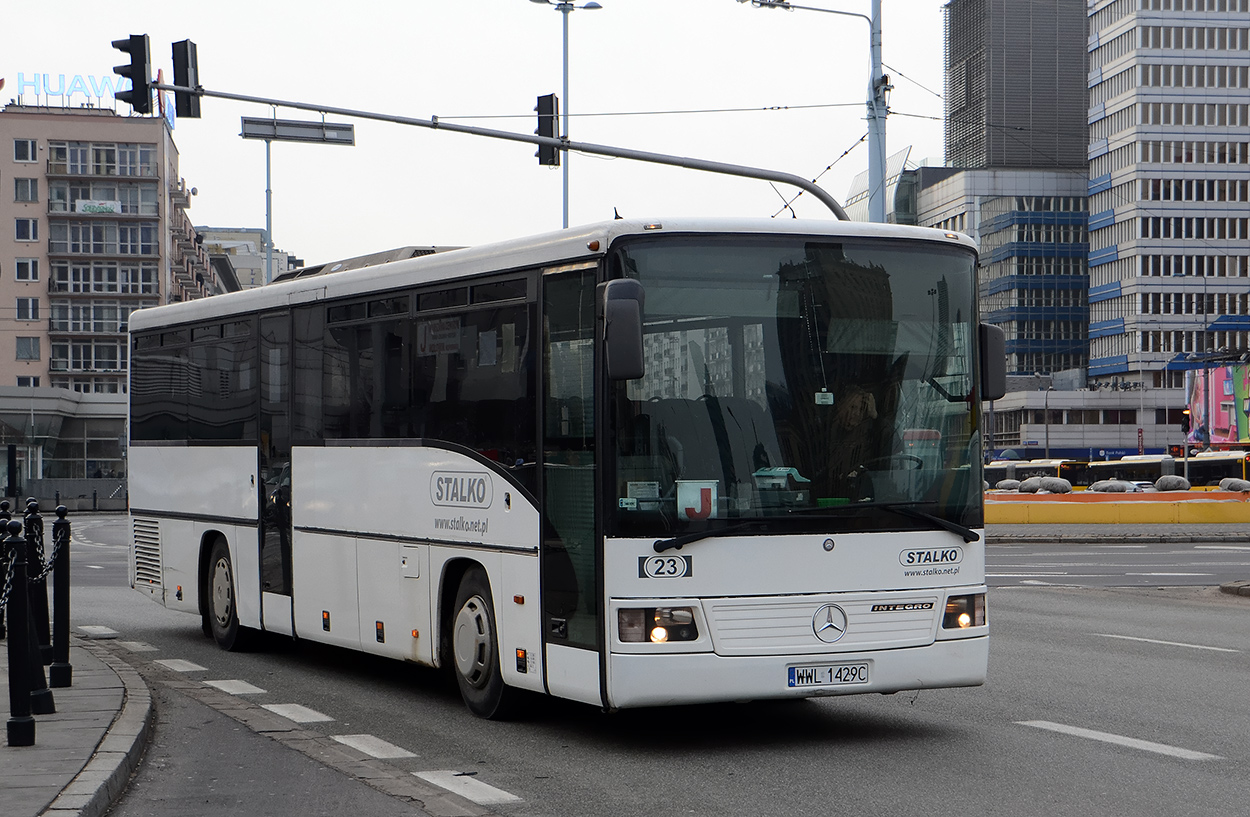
(448, 586)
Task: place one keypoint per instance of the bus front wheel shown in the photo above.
(223, 616)
(475, 650)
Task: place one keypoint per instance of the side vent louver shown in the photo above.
(147, 539)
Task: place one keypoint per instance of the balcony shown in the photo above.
(80, 169)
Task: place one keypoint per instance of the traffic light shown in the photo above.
(186, 75)
(139, 72)
(1185, 421)
(548, 116)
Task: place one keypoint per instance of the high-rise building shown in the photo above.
(1169, 168)
(93, 225)
(1015, 83)
(1015, 151)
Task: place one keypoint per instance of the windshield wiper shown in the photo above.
(676, 542)
(903, 509)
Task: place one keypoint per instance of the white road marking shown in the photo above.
(236, 687)
(467, 787)
(1167, 643)
(97, 631)
(137, 646)
(1167, 574)
(297, 713)
(1019, 575)
(374, 747)
(1221, 547)
(1121, 740)
(179, 665)
(95, 567)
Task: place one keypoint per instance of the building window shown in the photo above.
(25, 190)
(27, 269)
(25, 150)
(26, 229)
(28, 348)
(28, 309)
(28, 382)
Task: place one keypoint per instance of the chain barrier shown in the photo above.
(46, 567)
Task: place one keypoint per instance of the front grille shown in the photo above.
(771, 626)
(147, 543)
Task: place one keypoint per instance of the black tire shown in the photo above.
(475, 650)
(219, 607)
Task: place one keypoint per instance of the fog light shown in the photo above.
(658, 625)
(963, 612)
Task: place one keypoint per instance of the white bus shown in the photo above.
(628, 464)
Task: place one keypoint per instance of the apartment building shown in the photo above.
(95, 226)
(1169, 185)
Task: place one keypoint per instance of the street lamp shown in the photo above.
(565, 8)
(877, 110)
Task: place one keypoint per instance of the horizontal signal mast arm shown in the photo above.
(533, 139)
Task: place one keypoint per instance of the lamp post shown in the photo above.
(566, 8)
(878, 84)
(1046, 417)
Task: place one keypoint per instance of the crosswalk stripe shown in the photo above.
(374, 747)
(467, 787)
(297, 713)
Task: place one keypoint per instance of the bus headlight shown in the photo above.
(659, 625)
(963, 612)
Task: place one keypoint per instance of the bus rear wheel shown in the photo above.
(475, 650)
(222, 613)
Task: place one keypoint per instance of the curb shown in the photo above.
(1130, 539)
(1236, 588)
(101, 782)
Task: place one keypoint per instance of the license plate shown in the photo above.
(825, 675)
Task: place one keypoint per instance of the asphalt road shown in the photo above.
(1109, 701)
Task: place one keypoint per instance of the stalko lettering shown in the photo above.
(947, 556)
(460, 489)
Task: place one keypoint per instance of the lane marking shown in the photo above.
(468, 788)
(297, 713)
(1221, 547)
(95, 567)
(180, 665)
(137, 646)
(1167, 643)
(97, 631)
(1168, 574)
(1121, 740)
(235, 687)
(374, 747)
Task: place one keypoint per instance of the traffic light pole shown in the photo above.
(434, 123)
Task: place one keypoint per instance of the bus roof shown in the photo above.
(563, 245)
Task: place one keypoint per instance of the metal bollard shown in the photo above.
(21, 726)
(61, 673)
(95, 500)
(32, 522)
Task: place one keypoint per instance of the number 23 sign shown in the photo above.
(665, 567)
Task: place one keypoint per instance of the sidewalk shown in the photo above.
(85, 752)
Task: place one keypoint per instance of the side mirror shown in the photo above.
(622, 329)
(993, 361)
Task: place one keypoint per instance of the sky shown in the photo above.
(711, 79)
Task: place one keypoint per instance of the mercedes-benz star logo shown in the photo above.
(829, 623)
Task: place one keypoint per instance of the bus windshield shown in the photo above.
(823, 383)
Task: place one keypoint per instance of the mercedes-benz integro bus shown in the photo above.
(629, 464)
